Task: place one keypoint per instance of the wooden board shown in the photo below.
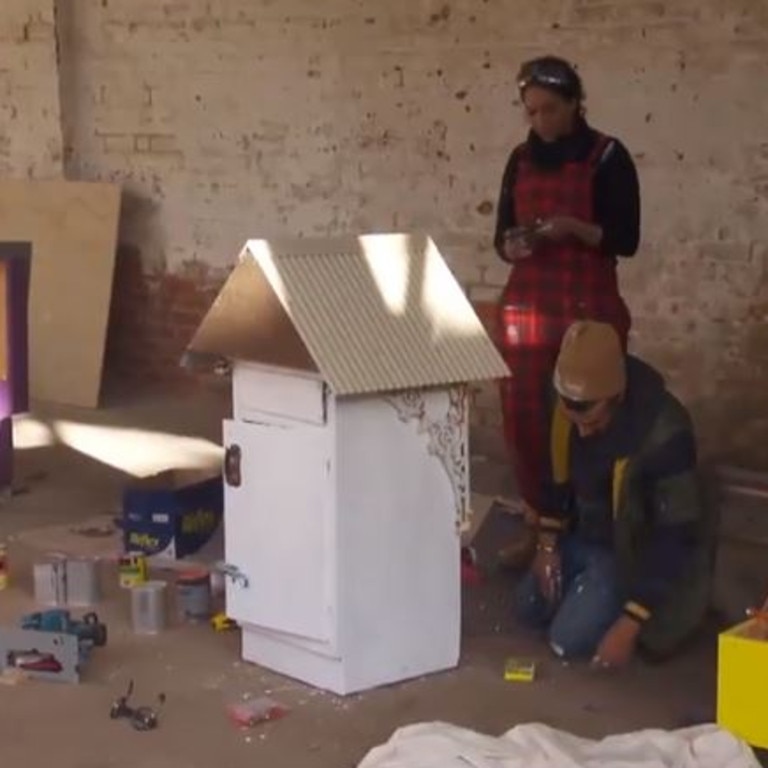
(73, 230)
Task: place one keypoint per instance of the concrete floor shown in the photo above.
(200, 671)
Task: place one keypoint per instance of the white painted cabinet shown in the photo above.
(346, 465)
(343, 536)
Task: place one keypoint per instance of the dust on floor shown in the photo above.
(200, 671)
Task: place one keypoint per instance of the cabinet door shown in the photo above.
(278, 528)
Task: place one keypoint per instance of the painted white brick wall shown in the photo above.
(30, 118)
(226, 119)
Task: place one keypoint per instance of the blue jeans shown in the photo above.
(592, 599)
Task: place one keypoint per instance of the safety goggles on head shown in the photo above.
(545, 74)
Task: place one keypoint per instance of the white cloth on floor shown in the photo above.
(440, 745)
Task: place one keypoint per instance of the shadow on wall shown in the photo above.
(154, 313)
(699, 315)
(733, 429)
(723, 380)
(745, 405)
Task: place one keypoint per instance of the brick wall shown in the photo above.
(30, 120)
(225, 119)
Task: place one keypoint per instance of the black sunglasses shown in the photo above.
(578, 406)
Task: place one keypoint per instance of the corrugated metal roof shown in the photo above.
(379, 312)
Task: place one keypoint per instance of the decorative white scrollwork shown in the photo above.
(446, 437)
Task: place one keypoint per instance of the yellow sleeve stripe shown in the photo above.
(619, 471)
(559, 440)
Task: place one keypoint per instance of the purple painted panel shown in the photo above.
(14, 396)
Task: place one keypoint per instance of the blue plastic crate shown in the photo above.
(172, 514)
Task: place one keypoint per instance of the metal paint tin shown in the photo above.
(132, 569)
(82, 583)
(148, 607)
(51, 583)
(193, 596)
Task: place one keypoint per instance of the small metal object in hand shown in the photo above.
(527, 233)
(524, 238)
(521, 236)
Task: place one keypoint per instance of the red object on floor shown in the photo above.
(470, 574)
(251, 712)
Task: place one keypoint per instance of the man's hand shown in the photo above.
(547, 568)
(618, 644)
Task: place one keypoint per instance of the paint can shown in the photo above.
(148, 608)
(3, 567)
(132, 569)
(50, 583)
(82, 583)
(193, 596)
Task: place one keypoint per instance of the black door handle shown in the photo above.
(232, 473)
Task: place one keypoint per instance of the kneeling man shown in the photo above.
(625, 553)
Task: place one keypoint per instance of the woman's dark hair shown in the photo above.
(554, 74)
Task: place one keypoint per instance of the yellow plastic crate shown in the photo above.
(742, 681)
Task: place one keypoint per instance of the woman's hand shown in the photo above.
(560, 228)
(516, 246)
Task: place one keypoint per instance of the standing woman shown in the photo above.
(569, 206)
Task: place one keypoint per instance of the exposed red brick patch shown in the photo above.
(152, 319)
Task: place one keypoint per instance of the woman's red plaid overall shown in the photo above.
(562, 282)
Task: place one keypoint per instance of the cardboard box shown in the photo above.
(172, 514)
(742, 679)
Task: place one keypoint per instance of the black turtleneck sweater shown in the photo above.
(616, 188)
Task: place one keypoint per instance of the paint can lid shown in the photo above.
(149, 586)
(194, 575)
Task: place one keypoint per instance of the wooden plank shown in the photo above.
(73, 230)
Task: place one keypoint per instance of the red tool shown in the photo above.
(470, 573)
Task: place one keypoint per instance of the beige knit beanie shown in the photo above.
(591, 364)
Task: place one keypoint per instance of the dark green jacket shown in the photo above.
(653, 488)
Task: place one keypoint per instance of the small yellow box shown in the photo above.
(519, 670)
(742, 682)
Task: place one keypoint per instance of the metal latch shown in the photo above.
(234, 573)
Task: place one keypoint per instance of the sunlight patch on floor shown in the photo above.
(29, 432)
(139, 452)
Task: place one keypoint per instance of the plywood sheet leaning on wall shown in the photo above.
(73, 230)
